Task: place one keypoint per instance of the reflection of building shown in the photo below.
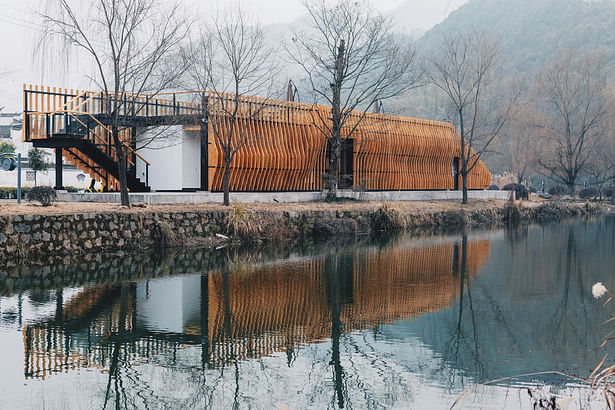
(286, 151)
(251, 312)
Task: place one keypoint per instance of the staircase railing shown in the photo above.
(51, 126)
(49, 111)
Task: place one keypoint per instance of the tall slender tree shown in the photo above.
(571, 97)
(232, 60)
(351, 59)
(462, 68)
(128, 44)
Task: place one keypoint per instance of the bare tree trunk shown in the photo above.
(121, 167)
(334, 156)
(570, 185)
(336, 117)
(464, 159)
(464, 178)
(226, 181)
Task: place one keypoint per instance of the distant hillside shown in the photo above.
(531, 32)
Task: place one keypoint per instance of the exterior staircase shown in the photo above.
(79, 123)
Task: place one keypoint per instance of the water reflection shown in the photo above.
(408, 323)
(530, 310)
(243, 311)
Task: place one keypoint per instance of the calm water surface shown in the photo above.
(404, 323)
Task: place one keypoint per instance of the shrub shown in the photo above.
(493, 188)
(557, 190)
(521, 191)
(589, 192)
(43, 194)
(607, 192)
(387, 219)
(244, 224)
(11, 193)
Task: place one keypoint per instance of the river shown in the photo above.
(404, 322)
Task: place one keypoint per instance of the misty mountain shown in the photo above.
(532, 32)
(415, 17)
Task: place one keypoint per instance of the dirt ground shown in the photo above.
(10, 207)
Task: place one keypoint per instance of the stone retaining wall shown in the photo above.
(21, 235)
(27, 236)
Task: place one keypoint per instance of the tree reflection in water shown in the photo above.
(189, 331)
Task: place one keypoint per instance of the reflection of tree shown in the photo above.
(335, 293)
(246, 313)
(205, 346)
(114, 368)
(531, 310)
(458, 336)
(563, 324)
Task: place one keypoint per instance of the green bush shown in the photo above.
(11, 193)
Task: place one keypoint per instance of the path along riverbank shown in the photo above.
(30, 231)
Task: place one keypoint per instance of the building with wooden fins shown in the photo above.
(251, 311)
(172, 145)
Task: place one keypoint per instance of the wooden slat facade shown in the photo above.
(284, 150)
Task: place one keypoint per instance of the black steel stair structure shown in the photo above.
(79, 134)
(79, 126)
(95, 154)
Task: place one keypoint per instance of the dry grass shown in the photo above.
(62, 208)
(244, 224)
(461, 398)
(387, 218)
(603, 377)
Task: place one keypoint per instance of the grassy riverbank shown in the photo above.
(9, 207)
(30, 231)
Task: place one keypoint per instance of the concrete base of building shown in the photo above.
(167, 198)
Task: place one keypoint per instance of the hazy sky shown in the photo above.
(20, 25)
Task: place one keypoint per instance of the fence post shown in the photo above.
(19, 178)
(26, 117)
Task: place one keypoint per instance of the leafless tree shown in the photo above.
(232, 59)
(601, 164)
(352, 59)
(463, 68)
(129, 44)
(572, 98)
(521, 145)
